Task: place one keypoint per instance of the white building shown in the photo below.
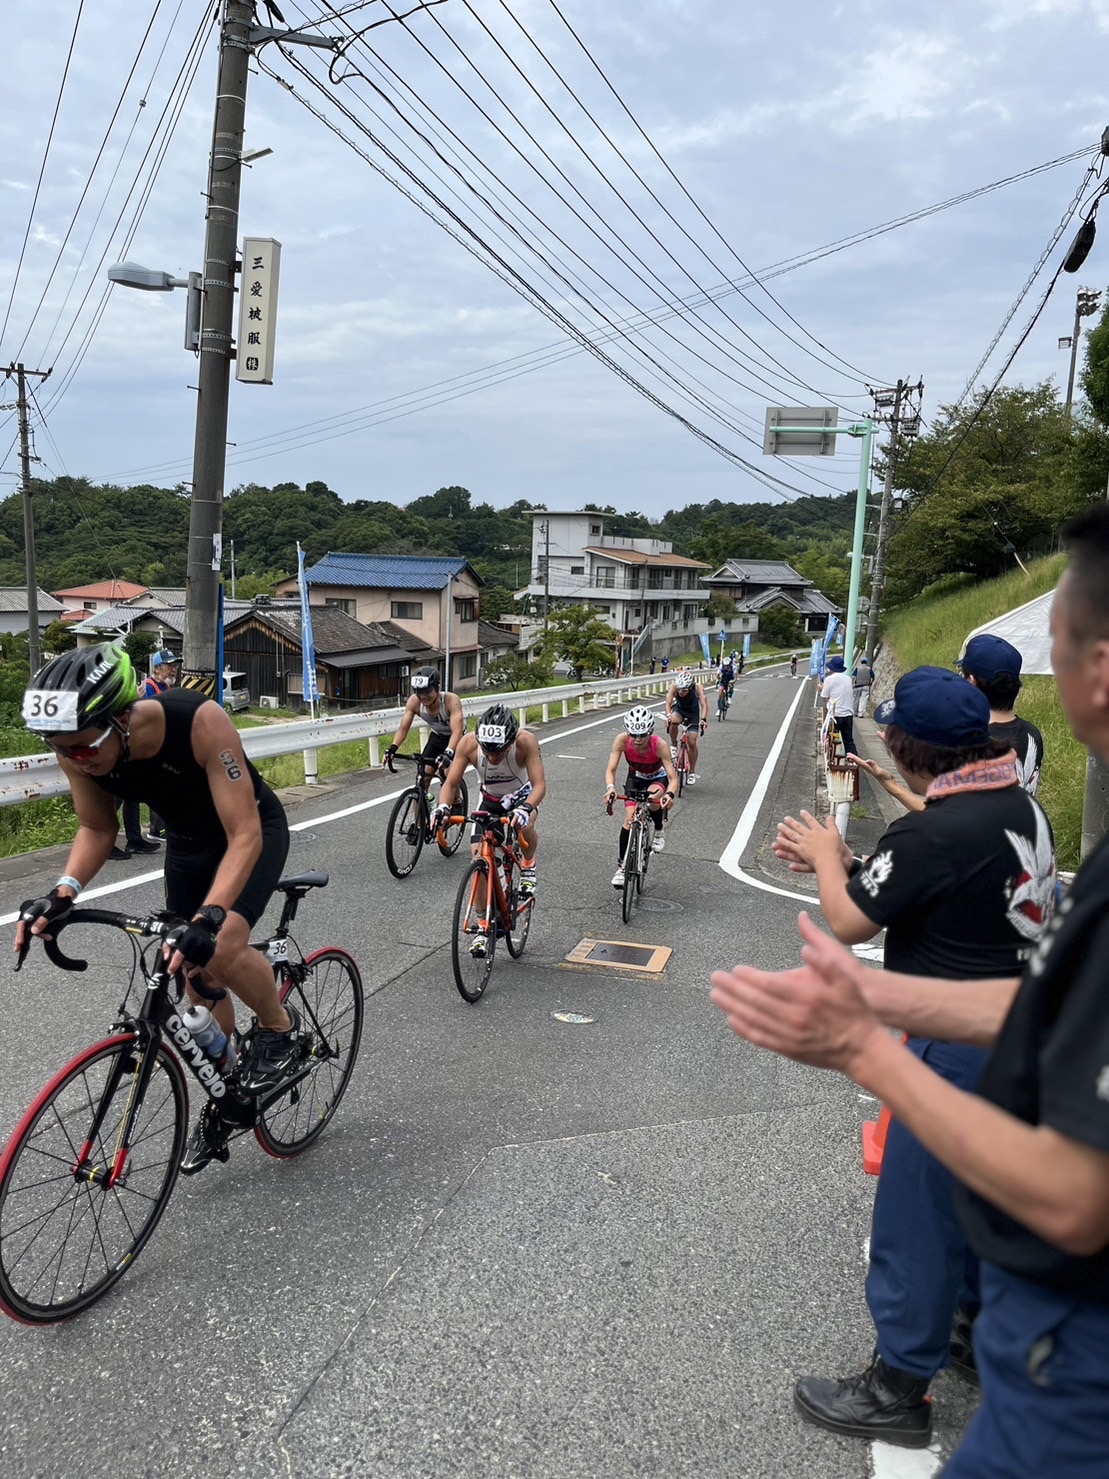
(651, 596)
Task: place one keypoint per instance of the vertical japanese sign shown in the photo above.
(307, 643)
(257, 310)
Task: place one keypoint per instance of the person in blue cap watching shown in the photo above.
(964, 889)
(993, 666)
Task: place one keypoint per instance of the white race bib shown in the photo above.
(491, 734)
(50, 711)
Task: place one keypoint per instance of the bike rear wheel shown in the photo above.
(404, 841)
(471, 973)
(330, 1003)
(450, 839)
(682, 766)
(66, 1235)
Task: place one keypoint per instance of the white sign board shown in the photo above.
(257, 310)
(814, 441)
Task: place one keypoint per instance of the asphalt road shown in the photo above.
(524, 1247)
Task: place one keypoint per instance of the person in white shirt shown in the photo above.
(838, 700)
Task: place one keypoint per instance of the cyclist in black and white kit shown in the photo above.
(227, 836)
(441, 712)
(686, 706)
(510, 769)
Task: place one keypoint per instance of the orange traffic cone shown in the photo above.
(874, 1142)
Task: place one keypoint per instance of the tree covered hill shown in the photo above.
(86, 532)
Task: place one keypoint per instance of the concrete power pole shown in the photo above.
(217, 322)
(34, 652)
(900, 423)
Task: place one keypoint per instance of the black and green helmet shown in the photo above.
(80, 689)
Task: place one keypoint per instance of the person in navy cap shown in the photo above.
(163, 670)
(964, 890)
(993, 666)
(1030, 1148)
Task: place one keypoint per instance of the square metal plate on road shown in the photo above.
(618, 955)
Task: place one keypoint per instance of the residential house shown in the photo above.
(755, 585)
(436, 599)
(358, 664)
(651, 596)
(495, 642)
(166, 623)
(80, 600)
(13, 609)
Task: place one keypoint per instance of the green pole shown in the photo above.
(866, 430)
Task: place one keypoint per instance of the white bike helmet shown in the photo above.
(639, 720)
(684, 680)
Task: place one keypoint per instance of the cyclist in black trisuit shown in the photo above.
(227, 833)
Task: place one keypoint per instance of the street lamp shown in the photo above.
(150, 280)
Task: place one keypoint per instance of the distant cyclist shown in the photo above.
(727, 675)
(793, 665)
(651, 777)
(510, 769)
(686, 708)
(441, 712)
(227, 836)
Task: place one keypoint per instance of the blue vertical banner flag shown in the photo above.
(705, 649)
(307, 642)
(746, 645)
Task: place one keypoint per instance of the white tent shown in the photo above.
(1027, 627)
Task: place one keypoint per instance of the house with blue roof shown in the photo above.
(437, 598)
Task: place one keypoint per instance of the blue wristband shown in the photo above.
(69, 882)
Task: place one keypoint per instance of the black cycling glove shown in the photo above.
(390, 751)
(52, 907)
(196, 942)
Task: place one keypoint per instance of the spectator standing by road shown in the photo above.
(861, 679)
(163, 674)
(1031, 1148)
(964, 891)
(837, 697)
(993, 666)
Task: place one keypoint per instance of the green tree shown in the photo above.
(513, 670)
(59, 636)
(138, 647)
(720, 608)
(578, 636)
(781, 626)
(496, 601)
(1095, 374)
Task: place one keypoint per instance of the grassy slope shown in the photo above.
(932, 629)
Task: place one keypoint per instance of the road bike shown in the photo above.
(410, 820)
(723, 699)
(638, 853)
(681, 760)
(91, 1166)
(489, 905)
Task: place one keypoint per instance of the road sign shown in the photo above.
(817, 439)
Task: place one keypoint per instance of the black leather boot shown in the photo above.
(962, 1347)
(881, 1402)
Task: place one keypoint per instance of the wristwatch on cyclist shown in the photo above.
(213, 915)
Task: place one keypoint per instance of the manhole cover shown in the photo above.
(619, 955)
(577, 1019)
(660, 906)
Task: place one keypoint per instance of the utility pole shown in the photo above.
(546, 575)
(902, 423)
(1086, 302)
(217, 319)
(34, 653)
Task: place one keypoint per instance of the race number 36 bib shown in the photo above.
(49, 710)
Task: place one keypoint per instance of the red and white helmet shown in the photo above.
(640, 720)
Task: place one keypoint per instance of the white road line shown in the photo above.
(729, 858)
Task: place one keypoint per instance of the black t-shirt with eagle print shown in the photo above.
(964, 888)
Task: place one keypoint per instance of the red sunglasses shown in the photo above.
(80, 752)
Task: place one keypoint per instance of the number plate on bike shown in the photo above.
(277, 950)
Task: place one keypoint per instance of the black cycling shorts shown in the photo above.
(190, 868)
(436, 744)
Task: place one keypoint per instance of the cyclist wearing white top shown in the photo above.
(510, 768)
(441, 712)
(687, 707)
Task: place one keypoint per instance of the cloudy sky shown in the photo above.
(653, 178)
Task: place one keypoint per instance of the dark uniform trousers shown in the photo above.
(921, 1266)
(1043, 1360)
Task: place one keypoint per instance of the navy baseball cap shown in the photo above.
(936, 705)
(987, 657)
(163, 658)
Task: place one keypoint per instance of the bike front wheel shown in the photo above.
(449, 839)
(631, 873)
(404, 841)
(472, 972)
(327, 993)
(66, 1233)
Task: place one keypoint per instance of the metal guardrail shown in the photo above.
(38, 777)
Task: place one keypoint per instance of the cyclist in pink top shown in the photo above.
(651, 777)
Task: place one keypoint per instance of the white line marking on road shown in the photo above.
(904, 1463)
(570, 757)
(729, 859)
